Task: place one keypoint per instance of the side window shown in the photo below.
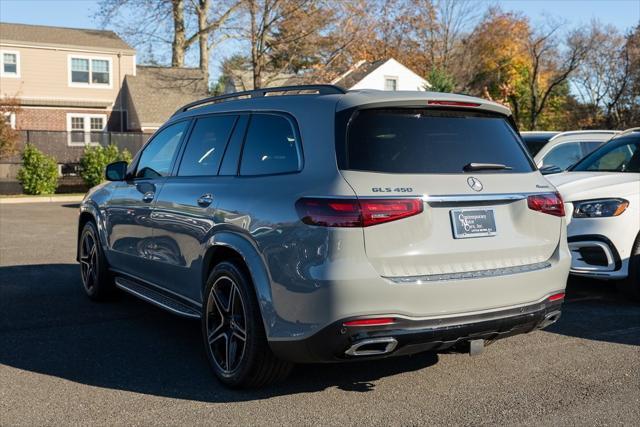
(157, 156)
(563, 155)
(616, 159)
(270, 147)
(589, 146)
(206, 145)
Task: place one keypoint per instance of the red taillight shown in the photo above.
(549, 203)
(453, 103)
(378, 321)
(556, 297)
(355, 212)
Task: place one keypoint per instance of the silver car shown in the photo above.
(312, 224)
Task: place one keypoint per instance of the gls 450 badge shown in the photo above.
(392, 190)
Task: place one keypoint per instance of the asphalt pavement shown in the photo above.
(66, 360)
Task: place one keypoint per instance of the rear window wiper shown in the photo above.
(469, 167)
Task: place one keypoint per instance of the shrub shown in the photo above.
(39, 172)
(95, 160)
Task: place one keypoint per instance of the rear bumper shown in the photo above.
(405, 336)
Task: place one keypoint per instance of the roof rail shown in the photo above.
(259, 93)
(628, 131)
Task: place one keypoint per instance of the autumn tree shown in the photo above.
(497, 64)
(9, 137)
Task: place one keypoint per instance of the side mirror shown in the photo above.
(550, 169)
(116, 171)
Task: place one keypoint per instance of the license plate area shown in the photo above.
(468, 223)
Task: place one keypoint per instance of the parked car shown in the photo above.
(566, 148)
(310, 224)
(602, 194)
(535, 140)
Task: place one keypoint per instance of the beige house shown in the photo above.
(65, 79)
(78, 81)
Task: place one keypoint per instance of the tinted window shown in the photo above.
(270, 147)
(622, 155)
(589, 146)
(206, 146)
(534, 143)
(157, 156)
(431, 141)
(563, 155)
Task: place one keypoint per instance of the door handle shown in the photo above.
(205, 200)
(148, 196)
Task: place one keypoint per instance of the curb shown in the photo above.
(39, 199)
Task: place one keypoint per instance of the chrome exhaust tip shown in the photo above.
(372, 347)
(549, 319)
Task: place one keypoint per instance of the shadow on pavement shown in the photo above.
(595, 310)
(48, 326)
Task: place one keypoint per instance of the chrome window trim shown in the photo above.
(445, 198)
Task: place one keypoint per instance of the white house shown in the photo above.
(382, 75)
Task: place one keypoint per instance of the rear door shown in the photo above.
(475, 218)
(186, 208)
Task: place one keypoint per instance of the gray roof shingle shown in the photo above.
(59, 36)
(358, 73)
(157, 92)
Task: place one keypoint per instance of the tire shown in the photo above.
(631, 285)
(233, 332)
(97, 281)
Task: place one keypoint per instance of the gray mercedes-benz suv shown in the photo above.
(309, 223)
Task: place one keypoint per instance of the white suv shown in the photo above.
(602, 195)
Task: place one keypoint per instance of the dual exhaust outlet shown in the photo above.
(385, 345)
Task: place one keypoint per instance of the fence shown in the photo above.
(67, 147)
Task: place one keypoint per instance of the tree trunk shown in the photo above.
(203, 39)
(178, 45)
(255, 60)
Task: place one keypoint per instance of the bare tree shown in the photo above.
(178, 46)
(557, 67)
(603, 78)
(277, 33)
(168, 21)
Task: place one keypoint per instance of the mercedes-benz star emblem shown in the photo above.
(474, 183)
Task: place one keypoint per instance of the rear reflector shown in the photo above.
(379, 321)
(355, 212)
(549, 203)
(556, 297)
(453, 103)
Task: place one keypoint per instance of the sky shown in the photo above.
(623, 14)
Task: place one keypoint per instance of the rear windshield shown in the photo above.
(431, 141)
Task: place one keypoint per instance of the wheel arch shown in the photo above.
(224, 246)
(85, 217)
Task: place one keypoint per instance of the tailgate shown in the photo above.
(425, 244)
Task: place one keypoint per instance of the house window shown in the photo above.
(10, 119)
(79, 70)
(85, 128)
(9, 64)
(390, 83)
(90, 71)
